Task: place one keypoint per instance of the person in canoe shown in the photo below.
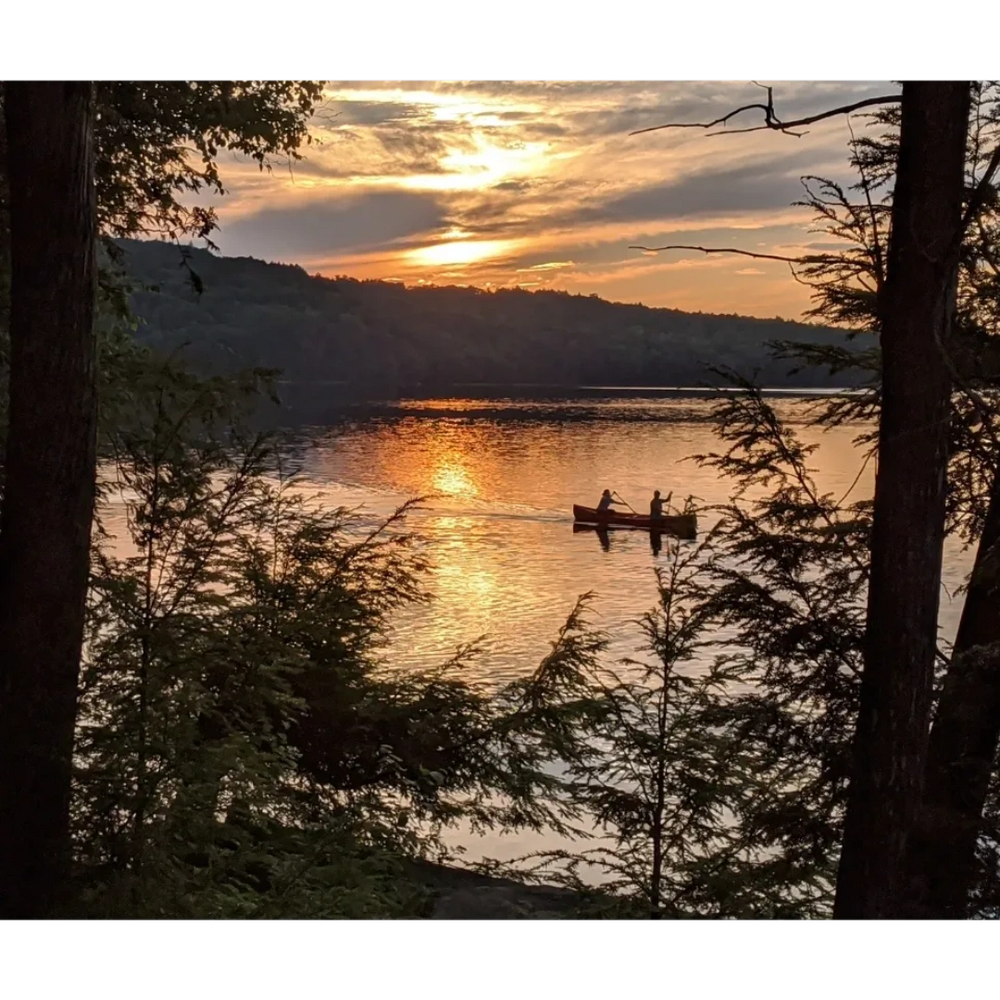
(606, 501)
(656, 504)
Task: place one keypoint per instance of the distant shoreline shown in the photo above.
(536, 390)
(320, 403)
(373, 339)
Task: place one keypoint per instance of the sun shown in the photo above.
(459, 252)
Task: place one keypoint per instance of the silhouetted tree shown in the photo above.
(157, 140)
(911, 302)
(917, 307)
(945, 867)
(48, 496)
(137, 147)
(964, 736)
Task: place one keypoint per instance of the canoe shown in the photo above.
(681, 525)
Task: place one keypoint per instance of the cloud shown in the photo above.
(550, 265)
(543, 174)
(517, 186)
(358, 223)
(754, 188)
(338, 114)
(822, 246)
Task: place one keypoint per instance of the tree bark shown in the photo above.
(48, 501)
(963, 743)
(890, 746)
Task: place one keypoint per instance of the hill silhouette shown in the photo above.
(377, 339)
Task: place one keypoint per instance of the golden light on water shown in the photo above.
(452, 478)
(462, 577)
(465, 580)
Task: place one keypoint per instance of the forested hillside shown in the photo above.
(387, 337)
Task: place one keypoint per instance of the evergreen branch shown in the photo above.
(982, 190)
(873, 215)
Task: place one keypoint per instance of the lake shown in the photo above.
(503, 475)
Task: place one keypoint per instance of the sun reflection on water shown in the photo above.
(452, 478)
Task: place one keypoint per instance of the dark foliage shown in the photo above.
(383, 337)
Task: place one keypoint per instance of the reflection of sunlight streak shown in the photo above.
(455, 524)
(452, 478)
(464, 582)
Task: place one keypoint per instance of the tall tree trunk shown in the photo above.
(48, 501)
(890, 745)
(963, 742)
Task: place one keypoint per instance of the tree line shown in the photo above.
(383, 337)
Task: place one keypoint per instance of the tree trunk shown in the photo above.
(4, 259)
(48, 501)
(963, 742)
(890, 745)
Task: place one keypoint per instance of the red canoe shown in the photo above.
(681, 525)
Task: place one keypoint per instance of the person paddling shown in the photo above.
(606, 501)
(656, 505)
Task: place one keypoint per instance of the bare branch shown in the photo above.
(801, 281)
(771, 120)
(712, 124)
(786, 129)
(809, 259)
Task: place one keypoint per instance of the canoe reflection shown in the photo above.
(604, 536)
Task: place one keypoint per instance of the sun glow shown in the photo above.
(482, 163)
(505, 184)
(493, 162)
(459, 252)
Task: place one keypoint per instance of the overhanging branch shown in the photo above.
(771, 120)
(808, 259)
(742, 253)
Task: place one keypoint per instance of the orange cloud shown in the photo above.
(516, 183)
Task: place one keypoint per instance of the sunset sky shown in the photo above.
(540, 185)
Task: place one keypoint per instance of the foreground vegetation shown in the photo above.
(247, 746)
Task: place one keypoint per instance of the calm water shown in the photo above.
(504, 475)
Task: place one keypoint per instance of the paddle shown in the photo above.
(624, 501)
